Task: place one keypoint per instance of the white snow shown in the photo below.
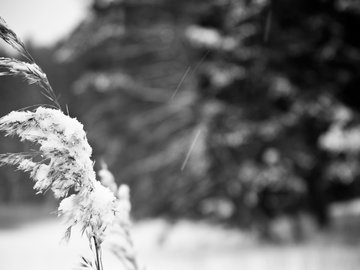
(160, 246)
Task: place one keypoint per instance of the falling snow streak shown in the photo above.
(188, 72)
(181, 82)
(191, 149)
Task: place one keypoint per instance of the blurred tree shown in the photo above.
(266, 119)
(283, 71)
(133, 59)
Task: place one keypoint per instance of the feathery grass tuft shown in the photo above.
(63, 162)
(32, 73)
(12, 39)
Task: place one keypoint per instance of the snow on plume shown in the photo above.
(65, 167)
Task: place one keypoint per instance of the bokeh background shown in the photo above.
(238, 118)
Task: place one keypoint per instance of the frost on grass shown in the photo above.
(62, 164)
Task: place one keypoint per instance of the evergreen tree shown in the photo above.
(284, 74)
(256, 127)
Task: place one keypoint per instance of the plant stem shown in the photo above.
(98, 261)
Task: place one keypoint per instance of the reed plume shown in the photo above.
(62, 162)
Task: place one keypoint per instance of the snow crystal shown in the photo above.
(43, 182)
(101, 197)
(107, 179)
(67, 204)
(16, 116)
(26, 164)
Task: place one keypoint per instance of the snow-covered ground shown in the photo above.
(39, 245)
(187, 245)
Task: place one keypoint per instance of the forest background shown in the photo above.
(238, 112)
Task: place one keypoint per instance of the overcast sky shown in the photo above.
(43, 21)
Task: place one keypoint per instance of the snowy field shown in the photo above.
(37, 245)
